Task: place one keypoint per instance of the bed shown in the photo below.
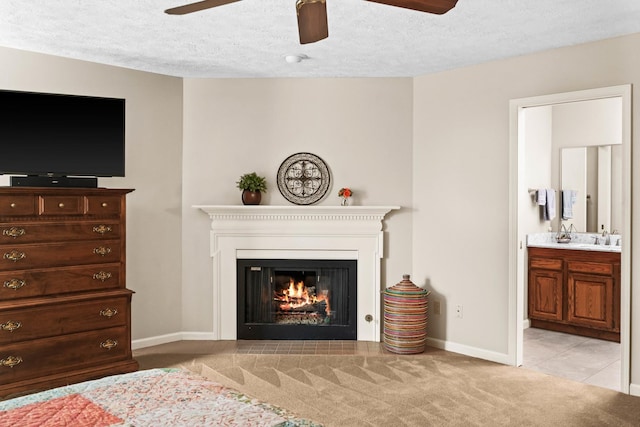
(154, 397)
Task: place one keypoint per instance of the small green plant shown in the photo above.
(252, 182)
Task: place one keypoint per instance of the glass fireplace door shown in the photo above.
(296, 299)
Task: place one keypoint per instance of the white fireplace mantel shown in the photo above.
(296, 232)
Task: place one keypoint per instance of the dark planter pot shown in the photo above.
(251, 197)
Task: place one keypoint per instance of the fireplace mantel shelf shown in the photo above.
(279, 212)
(296, 232)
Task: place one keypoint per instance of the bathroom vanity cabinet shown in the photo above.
(575, 291)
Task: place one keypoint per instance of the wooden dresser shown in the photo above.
(65, 312)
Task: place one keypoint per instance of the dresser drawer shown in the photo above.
(32, 359)
(103, 205)
(33, 232)
(51, 281)
(17, 205)
(61, 205)
(56, 318)
(20, 257)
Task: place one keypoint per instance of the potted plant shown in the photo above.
(252, 187)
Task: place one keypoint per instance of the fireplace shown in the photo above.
(296, 299)
(350, 233)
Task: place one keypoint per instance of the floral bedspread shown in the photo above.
(155, 397)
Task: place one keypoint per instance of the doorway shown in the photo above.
(520, 196)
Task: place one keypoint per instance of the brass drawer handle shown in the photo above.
(14, 284)
(109, 312)
(104, 204)
(10, 325)
(61, 205)
(109, 344)
(102, 276)
(102, 251)
(13, 205)
(15, 255)
(11, 361)
(102, 229)
(13, 232)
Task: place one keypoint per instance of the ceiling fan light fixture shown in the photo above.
(295, 58)
(312, 20)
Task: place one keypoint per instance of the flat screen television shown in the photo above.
(49, 136)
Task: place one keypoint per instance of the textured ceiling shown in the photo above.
(251, 38)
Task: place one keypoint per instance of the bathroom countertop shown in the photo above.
(581, 242)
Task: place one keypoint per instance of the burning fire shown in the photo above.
(298, 296)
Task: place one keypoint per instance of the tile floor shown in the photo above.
(582, 359)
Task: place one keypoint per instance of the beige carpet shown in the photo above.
(436, 388)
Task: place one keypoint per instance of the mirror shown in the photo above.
(594, 174)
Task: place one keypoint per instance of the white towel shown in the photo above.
(550, 207)
(568, 199)
(542, 197)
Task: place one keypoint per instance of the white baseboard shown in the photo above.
(634, 389)
(164, 339)
(479, 353)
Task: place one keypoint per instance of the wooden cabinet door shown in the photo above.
(590, 300)
(545, 294)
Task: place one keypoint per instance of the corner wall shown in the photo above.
(362, 128)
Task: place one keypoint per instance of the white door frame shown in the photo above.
(517, 239)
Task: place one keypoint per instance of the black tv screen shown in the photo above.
(48, 134)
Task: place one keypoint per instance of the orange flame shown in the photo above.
(297, 296)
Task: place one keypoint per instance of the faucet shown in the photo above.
(606, 236)
(563, 235)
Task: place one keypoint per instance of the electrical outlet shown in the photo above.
(436, 307)
(459, 311)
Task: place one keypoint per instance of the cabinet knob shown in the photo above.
(14, 232)
(61, 205)
(14, 255)
(104, 204)
(13, 205)
(102, 251)
(102, 275)
(10, 325)
(11, 361)
(109, 344)
(102, 229)
(109, 312)
(14, 284)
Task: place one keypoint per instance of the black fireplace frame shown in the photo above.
(256, 331)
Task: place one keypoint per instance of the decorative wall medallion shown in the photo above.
(303, 178)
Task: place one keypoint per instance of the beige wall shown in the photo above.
(153, 169)
(362, 128)
(461, 179)
(438, 145)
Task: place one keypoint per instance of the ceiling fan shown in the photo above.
(312, 14)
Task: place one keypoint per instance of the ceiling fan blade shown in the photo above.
(312, 20)
(438, 7)
(195, 7)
